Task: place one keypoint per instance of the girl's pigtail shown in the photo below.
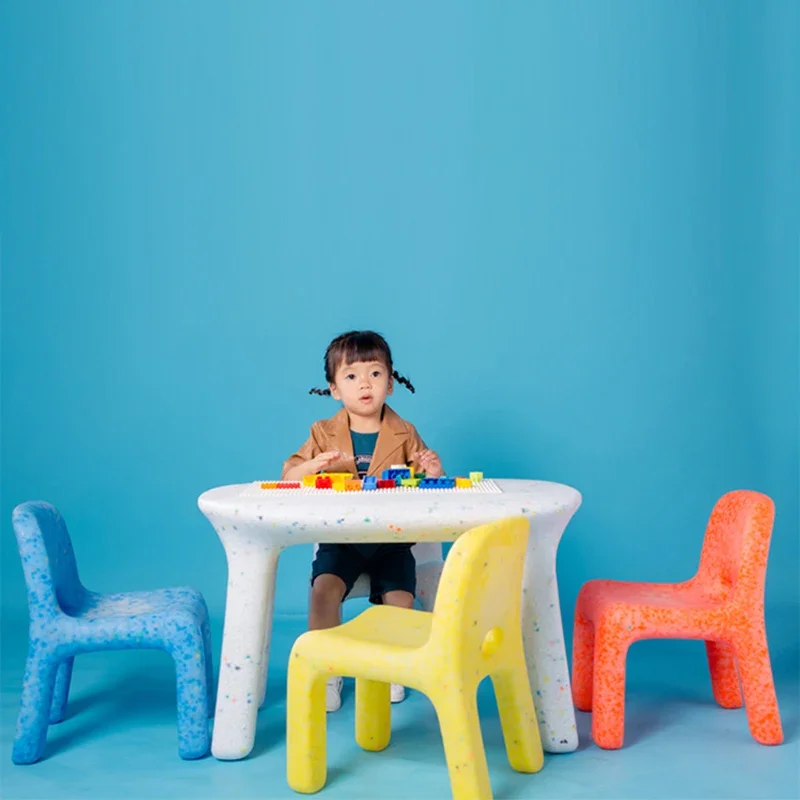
(321, 392)
(404, 381)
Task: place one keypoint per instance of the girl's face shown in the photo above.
(362, 387)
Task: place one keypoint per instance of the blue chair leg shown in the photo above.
(34, 707)
(193, 710)
(61, 691)
(209, 661)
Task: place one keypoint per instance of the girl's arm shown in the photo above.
(308, 460)
(423, 459)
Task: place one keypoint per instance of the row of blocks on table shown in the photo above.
(392, 479)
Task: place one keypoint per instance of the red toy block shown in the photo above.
(324, 483)
(289, 485)
(386, 484)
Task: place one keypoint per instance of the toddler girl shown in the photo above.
(365, 437)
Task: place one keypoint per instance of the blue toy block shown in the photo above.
(370, 482)
(396, 474)
(437, 483)
(66, 620)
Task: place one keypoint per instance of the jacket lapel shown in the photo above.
(338, 430)
(391, 439)
(388, 448)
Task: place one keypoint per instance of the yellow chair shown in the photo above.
(474, 631)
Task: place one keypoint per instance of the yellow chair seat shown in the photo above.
(474, 631)
(386, 626)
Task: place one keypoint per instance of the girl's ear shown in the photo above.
(334, 393)
(390, 390)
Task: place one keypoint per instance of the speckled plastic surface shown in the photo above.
(254, 530)
(722, 604)
(66, 620)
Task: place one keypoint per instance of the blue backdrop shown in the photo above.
(575, 223)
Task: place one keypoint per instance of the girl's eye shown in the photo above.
(376, 374)
(349, 377)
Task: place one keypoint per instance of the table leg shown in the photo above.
(252, 568)
(270, 600)
(543, 637)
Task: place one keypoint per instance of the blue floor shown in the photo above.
(119, 739)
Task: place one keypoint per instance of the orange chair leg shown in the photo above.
(760, 701)
(608, 706)
(582, 662)
(724, 675)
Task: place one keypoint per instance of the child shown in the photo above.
(366, 437)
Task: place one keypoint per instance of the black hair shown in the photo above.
(355, 346)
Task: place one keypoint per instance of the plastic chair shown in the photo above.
(430, 564)
(474, 631)
(722, 604)
(66, 620)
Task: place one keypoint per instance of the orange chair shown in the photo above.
(722, 604)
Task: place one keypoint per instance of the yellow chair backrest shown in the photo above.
(480, 590)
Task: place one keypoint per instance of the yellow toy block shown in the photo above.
(310, 480)
(352, 486)
(336, 476)
(463, 483)
(474, 631)
(476, 477)
(269, 485)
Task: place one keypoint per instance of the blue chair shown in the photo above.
(66, 620)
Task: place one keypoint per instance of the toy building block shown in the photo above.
(310, 480)
(352, 486)
(324, 482)
(411, 483)
(394, 473)
(369, 483)
(288, 485)
(337, 476)
(386, 484)
(463, 483)
(437, 483)
(476, 477)
(269, 485)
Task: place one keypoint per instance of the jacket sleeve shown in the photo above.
(310, 449)
(414, 444)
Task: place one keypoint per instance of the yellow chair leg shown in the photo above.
(373, 714)
(463, 743)
(306, 731)
(518, 719)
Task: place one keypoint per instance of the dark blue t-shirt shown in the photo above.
(363, 448)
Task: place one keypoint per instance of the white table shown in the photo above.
(254, 525)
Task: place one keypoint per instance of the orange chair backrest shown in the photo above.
(733, 562)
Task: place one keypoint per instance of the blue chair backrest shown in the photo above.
(48, 560)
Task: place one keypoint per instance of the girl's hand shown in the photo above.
(429, 463)
(321, 462)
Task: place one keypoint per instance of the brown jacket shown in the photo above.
(398, 441)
